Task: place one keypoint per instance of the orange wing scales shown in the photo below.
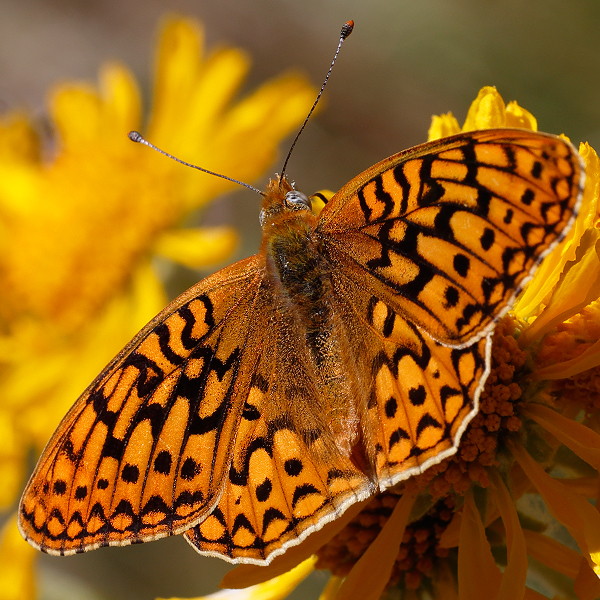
(348, 355)
(451, 231)
(424, 393)
(287, 477)
(145, 451)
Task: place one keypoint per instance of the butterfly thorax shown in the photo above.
(295, 262)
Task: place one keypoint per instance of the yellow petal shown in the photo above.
(512, 585)
(581, 439)
(478, 575)
(245, 575)
(16, 564)
(121, 108)
(332, 588)
(12, 459)
(19, 141)
(487, 111)
(579, 285)
(451, 536)
(581, 519)
(267, 114)
(553, 554)
(584, 486)
(222, 75)
(588, 359)
(197, 247)
(145, 299)
(517, 116)
(178, 66)
(591, 194)
(369, 576)
(587, 583)
(273, 589)
(442, 126)
(75, 109)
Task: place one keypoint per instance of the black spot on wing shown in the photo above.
(242, 522)
(417, 396)
(250, 412)
(130, 473)
(487, 238)
(302, 491)
(391, 406)
(263, 490)
(273, 514)
(451, 296)
(190, 469)
(527, 197)
(163, 462)
(293, 467)
(427, 421)
(60, 487)
(398, 435)
(461, 264)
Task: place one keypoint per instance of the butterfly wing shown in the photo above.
(288, 477)
(431, 247)
(422, 394)
(448, 233)
(145, 451)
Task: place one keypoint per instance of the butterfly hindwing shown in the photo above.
(286, 478)
(422, 393)
(447, 233)
(145, 450)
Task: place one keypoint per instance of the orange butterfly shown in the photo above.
(347, 355)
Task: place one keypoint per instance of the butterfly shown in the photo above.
(346, 356)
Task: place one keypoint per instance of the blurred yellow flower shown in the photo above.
(466, 527)
(271, 589)
(81, 220)
(17, 580)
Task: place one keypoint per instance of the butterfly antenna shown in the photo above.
(346, 31)
(134, 136)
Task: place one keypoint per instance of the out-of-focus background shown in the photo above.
(405, 61)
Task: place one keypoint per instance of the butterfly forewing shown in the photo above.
(146, 449)
(448, 232)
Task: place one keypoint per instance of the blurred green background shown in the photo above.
(405, 61)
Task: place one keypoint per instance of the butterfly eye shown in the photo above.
(297, 201)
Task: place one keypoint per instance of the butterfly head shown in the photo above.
(280, 201)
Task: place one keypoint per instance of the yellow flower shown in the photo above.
(81, 219)
(16, 564)
(271, 589)
(466, 527)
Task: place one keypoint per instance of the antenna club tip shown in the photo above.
(134, 136)
(347, 29)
